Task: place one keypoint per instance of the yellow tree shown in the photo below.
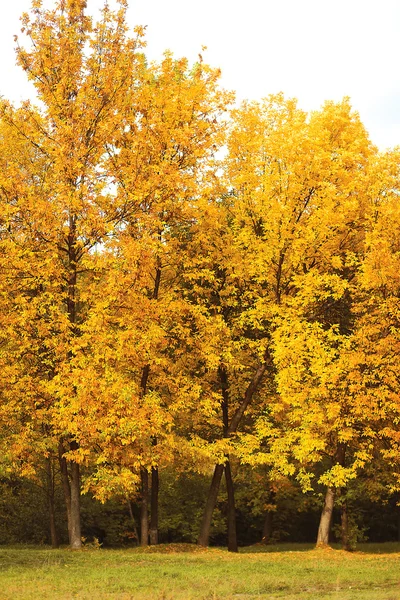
(376, 360)
(313, 275)
(160, 166)
(295, 185)
(122, 149)
(235, 288)
(64, 206)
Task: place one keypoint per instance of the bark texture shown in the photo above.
(326, 518)
(75, 528)
(154, 506)
(72, 489)
(135, 529)
(232, 537)
(65, 484)
(50, 503)
(144, 509)
(204, 536)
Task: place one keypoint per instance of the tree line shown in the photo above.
(187, 286)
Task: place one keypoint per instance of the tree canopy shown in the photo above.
(186, 284)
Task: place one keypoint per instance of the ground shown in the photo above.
(185, 572)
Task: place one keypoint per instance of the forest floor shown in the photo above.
(185, 572)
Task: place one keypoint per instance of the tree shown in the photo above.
(375, 364)
(63, 208)
(305, 257)
(159, 166)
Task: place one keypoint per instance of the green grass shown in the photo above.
(187, 573)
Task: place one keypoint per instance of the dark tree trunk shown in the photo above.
(228, 429)
(267, 527)
(73, 504)
(232, 538)
(154, 507)
(66, 485)
(326, 518)
(72, 490)
(345, 525)
(204, 535)
(53, 528)
(144, 509)
(144, 512)
(50, 503)
(135, 529)
(75, 529)
(205, 528)
(398, 523)
(249, 393)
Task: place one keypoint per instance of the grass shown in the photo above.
(184, 572)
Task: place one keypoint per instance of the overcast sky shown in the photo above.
(311, 49)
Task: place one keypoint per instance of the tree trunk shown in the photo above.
(144, 509)
(232, 538)
(66, 485)
(326, 518)
(75, 528)
(398, 523)
(50, 503)
(135, 529)
(228, 429)
(345, 526)
(52, 523)
(267, 528)
(71, 487)
(204, 535)
(144, 512)
(154, 506)
(249, 393)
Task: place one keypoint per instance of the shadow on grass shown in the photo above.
(381, 548)
(25, 554)
(285, 547)
(366, 548)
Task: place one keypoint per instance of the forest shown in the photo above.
(199, 304)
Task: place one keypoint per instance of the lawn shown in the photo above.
(184, 572)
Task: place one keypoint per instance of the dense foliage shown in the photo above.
(189, 289)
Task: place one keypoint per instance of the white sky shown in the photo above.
(311, 49)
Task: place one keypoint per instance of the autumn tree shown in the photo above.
(161, 304)
(314, 408)
(64, 207)
(160, 166)
(269, 206)
(375, 360)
